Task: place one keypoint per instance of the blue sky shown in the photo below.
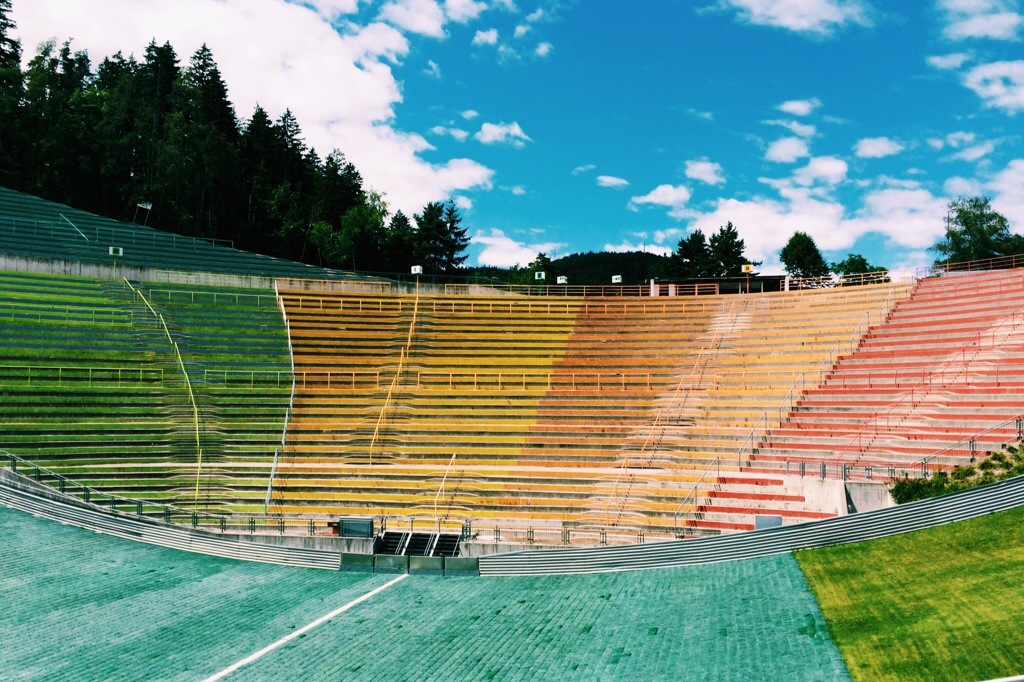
(611, 125)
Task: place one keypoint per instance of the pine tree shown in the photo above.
(199, 158)
(456, 238)
(692, 258)
(725, 253)
(11, 89)
(399, 244)
(430, 238)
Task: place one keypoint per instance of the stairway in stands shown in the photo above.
(947, 365)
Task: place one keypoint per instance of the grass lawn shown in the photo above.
(944, 603)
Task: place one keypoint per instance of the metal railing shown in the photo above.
(65, 374)
(266, 301)
(546, 381)
(245, 377)
(57, 313)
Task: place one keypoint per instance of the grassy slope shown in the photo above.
(945, 603)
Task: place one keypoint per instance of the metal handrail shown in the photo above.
(188, 385)
(692, 497)
(403, 352)
(688, 381)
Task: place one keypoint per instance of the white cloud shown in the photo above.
(999, 84)
(424, 17)
(521, 30)
(911, 218)
(502, 251)
(706, 171)
(974, 152)
(673, 233)
(332, 10)
(586, 168)
(795, 127)
(544, 49)
(995, 19)
(340, 87)
(948, 62)
(462, 11)
(612, 181)
(1008, 197)
(672, 196)
(377, 41)
(502, 133)
(877, 147)
(535, 15)
(465, 203)
(628, 247)
(786, 150)
(517, 190)
(696, 113)
(470, 114)
(955, 140)
(488, 37)
(800, 107)
(458, 133)
(432, 70)
(826, 169)
(814, 17)
(962, 187)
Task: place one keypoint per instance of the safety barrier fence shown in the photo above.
(614, 291)
(261, 524)
(965, 451)
(546, 381)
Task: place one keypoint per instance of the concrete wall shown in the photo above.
(864, 496)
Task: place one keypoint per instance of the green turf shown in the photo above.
(80, 606)
(941, 604)
(736, 621)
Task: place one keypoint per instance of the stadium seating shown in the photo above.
(559, 412)
(93, 390)
(36, 228)
(945, 367)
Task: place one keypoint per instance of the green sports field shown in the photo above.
(945, 603)
(81, 606)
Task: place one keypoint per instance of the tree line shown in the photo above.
(155, 131)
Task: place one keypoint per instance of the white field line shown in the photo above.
(301, 631)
